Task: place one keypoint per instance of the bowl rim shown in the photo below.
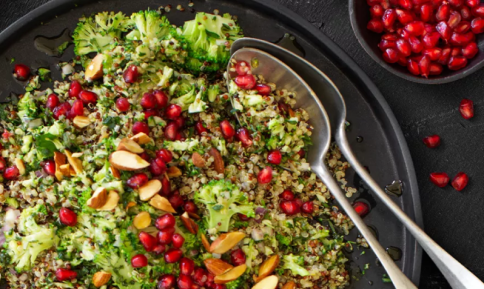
(357, 31)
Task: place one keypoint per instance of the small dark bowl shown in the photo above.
(360, 15)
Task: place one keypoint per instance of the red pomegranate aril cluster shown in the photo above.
(459, 182)
(426, 36)
(149, 242)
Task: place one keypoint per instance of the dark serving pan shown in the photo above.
(380, 146)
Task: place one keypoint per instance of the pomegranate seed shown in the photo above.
(155, 169)
(439, 179)
(176, 200)
(412, 66)
(52, 101)
(431, 39)
(190, 207)
(478, 11)
(122, 104)
(265, 175)
(404, 33)
(237, 257)
(3, 165)
(287, 195)
(466, 13)
(457, 62)
(219, 286)
(131, 74)
(389, 36)
(390, 55)
(21, 71)
(144, 156)
(375, 25)
(454, 19)
(200, 276)
(466, 108)
(180, 121)
(166, 282)
(11, 173)
(75, 88)
(165, 221)
(376, 11)
(228, 130)
(187, 266)
(161, 98)
(470, 50)
(243, 217)
(432, 141)
(67, 217)
(301, 153)
(477, 25)
(245, 81)
(420, 2)
(443, 12)
(435, 69)
(148, 101)
(138, 261)
(263, 89)
(184, 282)
(148, 241)
(307, 207)
(456, 51)
(444, 30)
(415, 45)
(173, 255)
(164, 236)
(361, 208)
(433, 53)
(242, 67)
(243, 135)
(460, 181)
(426, 12)
(159, 249)
(149, 113)
(177, 240)
(173, 111)
(463, 27)
(462, 39)
(385, 44)
(87, 96)
(171, 131)
(290, 207)
(140, 126)
(166, 187)
(137, 180)
(404, 47)
(49, 167)
(388, 18)
(61, 110)
(472, 3)
(77, 109)
(415, 28)
(274, 157)
(403, 16)
(445, 56)
(63, 274)
(424, 66)
(200, 128)
(165, 155)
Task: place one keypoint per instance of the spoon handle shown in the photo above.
(456, 274)
(400, 281)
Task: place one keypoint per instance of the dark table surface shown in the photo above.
(453, 219)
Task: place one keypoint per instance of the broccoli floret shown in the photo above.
(165, 76)
(185, 100)
(295, 264)
(222, 200)
(187, 145)
(212, 92)
(149, 27)
(236, 284)
(250, 252)
(99, 33)
(198, 105)
(122, 272)
(27, 107)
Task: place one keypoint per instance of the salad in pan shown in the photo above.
(133, 171)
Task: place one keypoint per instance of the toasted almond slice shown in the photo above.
(65, 169)
(148, 190)
(289, 285)
(141, 138)
(217, 266)
(72, 172)
(77, 155)
(81, 121)
(129, 145)
(111, 203)
(59, 160)
(161, 203)
(218, 161)
(268, 267)
(205, 243)
(190, 224)
(98, 198)
(198, 160)
(95, 69)
(194, 216)
(127, 161)
(230, 275)
(20, 166)
(115, 172)
(267, 283)
(142, 220)
(75, 163)
(173, 172)
(100, 278)
(130, 205)
(226, 242)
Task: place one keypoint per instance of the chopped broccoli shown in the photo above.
(165, 76)
(250, 252)
(295, 264)
(187, 145)
(198, 105)
(222, 200)
(27, 107)
(236, 284)
(149, 27)
(122, 272)
(212, 92)
(185, 100)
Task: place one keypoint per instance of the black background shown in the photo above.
(453, 219)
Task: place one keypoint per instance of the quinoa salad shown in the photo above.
(133, 171)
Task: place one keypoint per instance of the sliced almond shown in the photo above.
(198, 160)
(205, 243)
(81, 121)
(289, 285)
(98, 199)
(59, 160)
(111, 202)
(95, 69)
(100, 278)
(217, 266)
(194, 216)
(230, 275)
(72, 172)
(173, 172)
(142, 220)
(141, 138)
(127, 161)
(161, 203)
(190, 224)
(226, 242)
(75, 163)
(129, 145)
(115, 172)
(267, 283)
(268, 267)
(77, 155)
(130, 205)
(218, 161)
(148, 190)
(65, 169)
(20, 166)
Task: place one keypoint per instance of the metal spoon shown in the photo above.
(279, 73)
(456, 274)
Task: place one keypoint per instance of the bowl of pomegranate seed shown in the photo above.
(425, 41)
